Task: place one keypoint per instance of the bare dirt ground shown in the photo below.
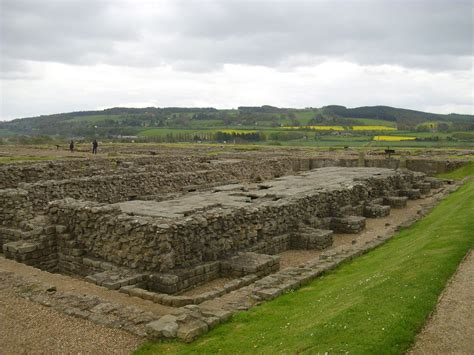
(450, 330)
(26, 152)
(69, 284)
(29, 328)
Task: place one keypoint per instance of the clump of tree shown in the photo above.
(239, 137)
(286, 136)
(331, 120)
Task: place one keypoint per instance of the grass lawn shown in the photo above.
(374, 304)
(458, 174)
(20, 159)
(375, 122)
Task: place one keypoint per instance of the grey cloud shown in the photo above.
(204, 35)
(70, 31)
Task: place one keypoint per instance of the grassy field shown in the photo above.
(375, 304)
(375, 122)
(96, 118)
(21, 159)
(316, 136)
(458, 174)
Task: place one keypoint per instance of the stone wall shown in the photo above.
(15, 207)
(125, 186)
(427, 166)
(432, 167)
(148, 243)
(115, 188)
(11, 175)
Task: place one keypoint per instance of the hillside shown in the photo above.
(121, 121)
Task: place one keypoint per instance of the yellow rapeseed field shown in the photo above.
(393, 138)
(236, 131)
(319, 128)
(373, 128)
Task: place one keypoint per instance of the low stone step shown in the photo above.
(424, 187)
(250, 263)
(179, 280)
(376, 211)
(395, 201)
(19, 247)
(434, 182)
(308, 238)
(114, 279)
(412, 194)
(8, 234)
(349, 224)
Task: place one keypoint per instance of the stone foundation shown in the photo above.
(159, 248)
(250, 263)
(192, 227)
(350, 224)
(376, 211)
(395, 201)
(307, 238)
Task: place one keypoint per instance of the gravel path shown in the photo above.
(451, 328)
(65, 283)
(29, 328)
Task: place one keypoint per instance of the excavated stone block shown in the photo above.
(434, 182)
(191, 330)
(376, 211)
(165, 327)
(350, 224)
(412, 194)
(424, 187)
(310, 238)
(396, 201)
(268, 293)
(250, 263)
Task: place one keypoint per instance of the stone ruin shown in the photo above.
(158, 227)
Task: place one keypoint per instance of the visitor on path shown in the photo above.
(71, 146)
(94, 146)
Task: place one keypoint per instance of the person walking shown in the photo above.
(71, 146)
(94, 146)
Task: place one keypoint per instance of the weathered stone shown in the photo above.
(249, 263)
(165, 327)
(376, 211)
(191, 330)
(310, 238)
(395, 201)
(349, 224)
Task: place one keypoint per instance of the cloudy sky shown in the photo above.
(70, 55)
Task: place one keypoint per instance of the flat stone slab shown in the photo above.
(165, 327)
(238, 195)
(250, 263)
(114, 279)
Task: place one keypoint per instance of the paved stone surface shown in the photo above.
(285, 187)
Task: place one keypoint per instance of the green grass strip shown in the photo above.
(458, 174)
(374, 304)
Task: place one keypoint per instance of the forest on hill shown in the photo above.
(122, 121)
